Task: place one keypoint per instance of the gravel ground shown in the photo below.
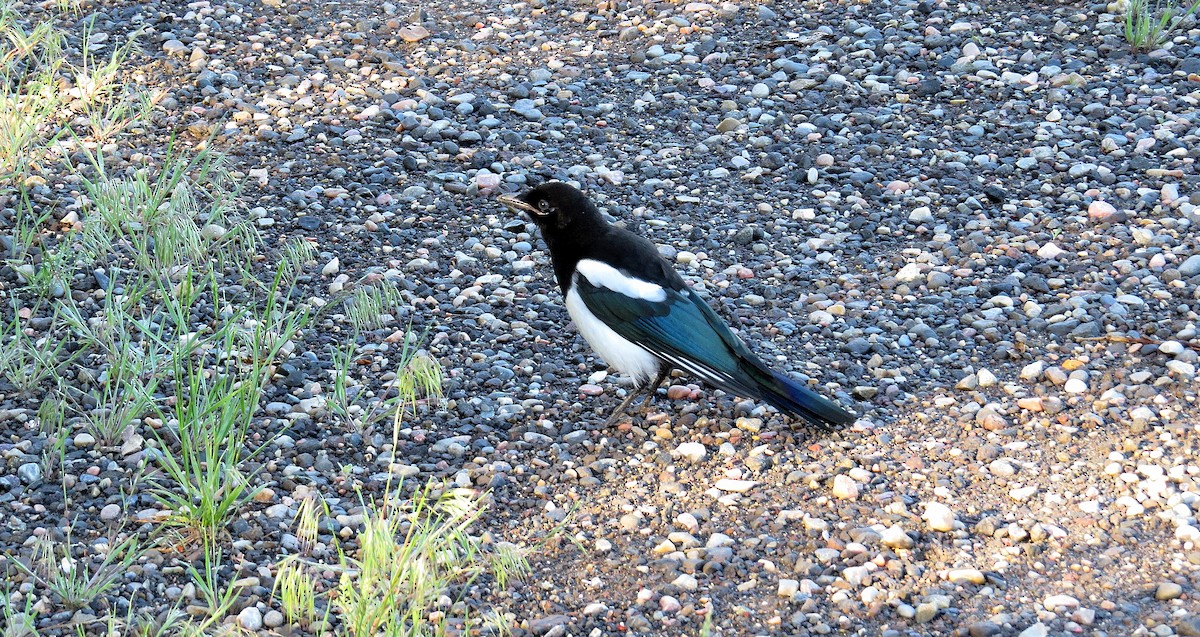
(969, 222)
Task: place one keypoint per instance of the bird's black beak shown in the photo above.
(519, 205)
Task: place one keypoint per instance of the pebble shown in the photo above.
(1021, 494)
(896, 538)
(939, 517)
(250, 618)
(1171, 348)
(30, 472)
(845, 487)
(966, 576)
(925, 612)
(1054, 602)
(691, 451)
(1191, 266)
(686, 582)
(735, 486)
(84, 440)
(1168, 591)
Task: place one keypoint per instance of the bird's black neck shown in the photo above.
(570, 244)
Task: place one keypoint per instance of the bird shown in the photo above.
(640, 316)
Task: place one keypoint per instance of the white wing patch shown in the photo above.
(622, 354)
(603, 275)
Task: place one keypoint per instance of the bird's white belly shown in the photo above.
(627, 357)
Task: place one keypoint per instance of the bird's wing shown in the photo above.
(680, 329)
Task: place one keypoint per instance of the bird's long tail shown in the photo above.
(789, 396)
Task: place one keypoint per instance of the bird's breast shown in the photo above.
(618, 352)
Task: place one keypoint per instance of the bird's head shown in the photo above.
(553, 205)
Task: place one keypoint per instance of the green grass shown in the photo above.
(408, 553)
(1149, 23)
(77, 580)
(177, 347)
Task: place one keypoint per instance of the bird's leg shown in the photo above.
(653, 387)
(650, 388)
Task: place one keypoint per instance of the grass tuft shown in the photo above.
(1149, 23)
(76, 583)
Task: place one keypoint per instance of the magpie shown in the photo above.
(640, 316)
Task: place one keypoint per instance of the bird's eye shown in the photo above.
(544, 205)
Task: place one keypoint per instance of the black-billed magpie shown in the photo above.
(640, 317)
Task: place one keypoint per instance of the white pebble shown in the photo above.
(1171, 348)
(788, 588)
(1050, 251)
(691, 451)
(845, 487)
(895, 537)
(686, 582)
(332, 267)
(939, 516)
(250, 618)
(1021, 494)
(735, 486)
(1060, 601)
(909, 273)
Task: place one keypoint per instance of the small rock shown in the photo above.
(1190, 267)
(845, 487)
(1060, 601)
(250, 618)
(110, 512)
(735, 486)
(669, 604)
(1075, 386)
(966, 576)
(1101, 211)
(543, 625)
(728, 124)
(686, 582)
(1037, 630)
(921, 214)
(984, 629)
(926, 612)
(273, 619)
(1171, 348)
(1021, 494)
(30, 472)
(413, 33)
(691, 451)
(1168, 591)
(939, 516)
(788, 588)
(84, 439)
(895, 537)
(1050, 251)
